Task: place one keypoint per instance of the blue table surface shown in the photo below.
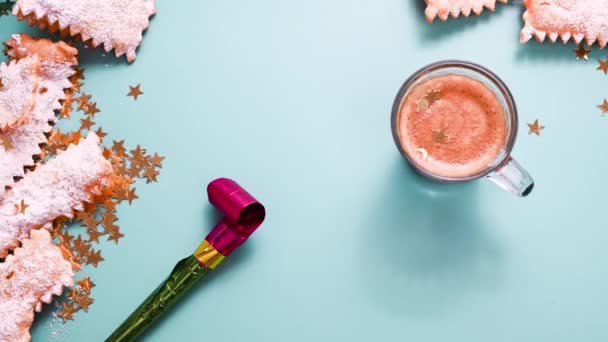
(292, 99)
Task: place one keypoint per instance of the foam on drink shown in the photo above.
(452, 126)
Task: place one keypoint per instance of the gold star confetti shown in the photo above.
(79, 75)
(131, 196)
(94, 258)
(76, 86)
(21, 207)
(80, 247)
(83, 101)
(535, 128)
(135, 91)
(68, 311)
(94, 235)
(433, 96)
(89, 221)
(440, 137)
(119, 148)
(6, 143)
(100, 133)
(65, 237)
(150, 174)
(86, 284)
(427, 101)
(82, 299)
(157, 160)
(92, 109)
(86, 124)
(134, 170)
(581, 52)
(603, 65)
(604, 107)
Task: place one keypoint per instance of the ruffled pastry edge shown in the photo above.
(432, 12)
(529, 31)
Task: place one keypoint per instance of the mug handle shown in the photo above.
(513, 178)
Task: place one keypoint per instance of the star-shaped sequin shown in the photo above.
(92, 109)
(135, 91)
(82, 299)
(157, 160)
(603, 65)
(86, 284)
(67, 312)
(535, 127)
(6, 143)
(86, 124)
(440, 137)
(94, 258)
(604, 107)
(581, 52)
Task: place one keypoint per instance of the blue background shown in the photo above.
(292, 99)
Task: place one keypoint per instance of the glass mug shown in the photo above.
(504, 170)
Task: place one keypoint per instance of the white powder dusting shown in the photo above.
(566, 19)
(31, 276)
(117, 24)
(19, 85)
(56, 68)
(445, 8)
(54, 189)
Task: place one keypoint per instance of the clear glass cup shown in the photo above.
(504, 170)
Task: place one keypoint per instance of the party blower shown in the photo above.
(243, 214)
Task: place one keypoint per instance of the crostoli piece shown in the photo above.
(17, 91)
(57, 61)
(115, 24)
(444, 8)
(566, 19)
(35, 273)
(54, 189)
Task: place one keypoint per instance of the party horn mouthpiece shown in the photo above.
(243, 214)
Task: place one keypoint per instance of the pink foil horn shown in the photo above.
(243, 215)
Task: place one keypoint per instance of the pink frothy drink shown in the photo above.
(457, 121)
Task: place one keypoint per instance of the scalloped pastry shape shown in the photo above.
(566, 19)
(54, 189)
(444, 8)
(30, 277)
(51, 53)
(115, 24)
(19, 86)
(57, 62)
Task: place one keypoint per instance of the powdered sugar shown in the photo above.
(54, 189)
(19, 85)
(443, 8)
(566, 19)
(117, 24)
(33, 275)
(56, 67)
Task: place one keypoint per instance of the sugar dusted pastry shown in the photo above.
(444, 8)
(17, 91)
(30, 277)
(53, 54)
(54, 189)
(117, 24)
(57, 61)
(566, 19)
